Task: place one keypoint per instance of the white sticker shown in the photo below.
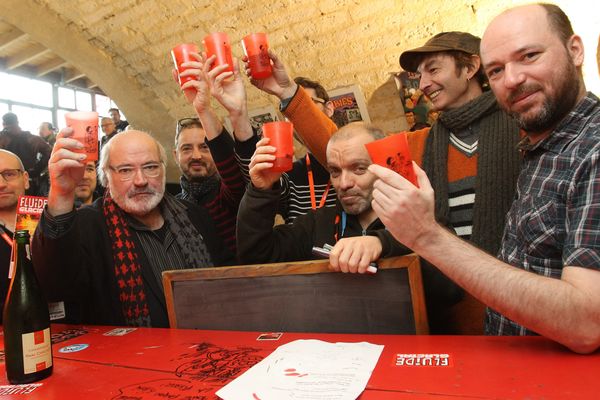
(37, 352)
(57, 310)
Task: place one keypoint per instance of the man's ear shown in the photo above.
(473, 67)
(329, 108)
(575, 49)
(26, 179)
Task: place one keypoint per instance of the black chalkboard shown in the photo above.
(294, 302)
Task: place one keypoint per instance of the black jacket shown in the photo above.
(78, 267)
(259, 242)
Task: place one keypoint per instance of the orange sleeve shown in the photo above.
(312, 124)
(416, 143)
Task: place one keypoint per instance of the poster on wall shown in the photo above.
(258, 117)
(349, 105)
(417, 107)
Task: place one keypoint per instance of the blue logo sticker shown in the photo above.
(74, 348)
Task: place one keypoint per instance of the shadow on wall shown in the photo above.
(385, 107)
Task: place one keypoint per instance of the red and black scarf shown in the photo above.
(127, 267)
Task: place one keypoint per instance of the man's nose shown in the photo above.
(139, 179)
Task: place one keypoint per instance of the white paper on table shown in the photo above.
(307, 370)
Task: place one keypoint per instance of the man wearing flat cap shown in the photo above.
(469, 154)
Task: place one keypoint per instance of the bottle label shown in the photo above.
(37, 351)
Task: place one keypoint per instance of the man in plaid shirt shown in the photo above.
(546, 279)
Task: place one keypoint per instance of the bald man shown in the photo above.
(106, 260)
(14, 180)
(546, 279)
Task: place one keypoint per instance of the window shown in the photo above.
(30, 118)
(103, 104)
(24, 90)
(33, 101)
(66, 98)
(3, 108)
(83, 101)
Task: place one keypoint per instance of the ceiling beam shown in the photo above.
(10, 37)
(27, 55)
(72, 75)
(49, 66)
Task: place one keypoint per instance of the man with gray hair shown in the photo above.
(106, 260)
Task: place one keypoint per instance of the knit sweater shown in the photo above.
(462, 169)
(315, 128)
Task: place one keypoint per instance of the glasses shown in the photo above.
(127, 173)
(10, 175)
(186, 123)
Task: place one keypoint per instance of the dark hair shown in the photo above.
(10, 119)
(463, 60)
(113, 109)
(186, 123)
(559, 22)
(49, 126)
(309, 84)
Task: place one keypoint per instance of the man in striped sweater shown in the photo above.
(470, 155)
(206, 153)
(306, 104)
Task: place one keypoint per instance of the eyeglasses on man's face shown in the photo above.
(11, 174)
(184, 123)
(126, 173)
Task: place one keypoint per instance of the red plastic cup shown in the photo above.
(393, 152)
(218, 44)
(181, 54)
(256, 47)
(281, 135)
(85, 127)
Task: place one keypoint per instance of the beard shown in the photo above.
(195, 175)
(554, 108)
(133, 204)
(358, 206)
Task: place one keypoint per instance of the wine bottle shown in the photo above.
(27, 345)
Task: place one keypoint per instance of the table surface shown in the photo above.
(90, 362)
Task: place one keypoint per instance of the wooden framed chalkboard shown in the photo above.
(299, 297)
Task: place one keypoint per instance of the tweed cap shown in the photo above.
(445, 41)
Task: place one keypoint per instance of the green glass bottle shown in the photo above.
(27, 343)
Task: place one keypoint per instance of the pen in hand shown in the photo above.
(326, 249)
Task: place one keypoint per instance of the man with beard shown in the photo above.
(206, 153)
(469, 154)
(105, 261)
(547, 275)
(357, 235)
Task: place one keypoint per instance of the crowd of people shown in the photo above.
(504, 215)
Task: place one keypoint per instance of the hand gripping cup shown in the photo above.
(181, 54)
(256, 48)
(85, 127)
(218, 44)
(393, 152)
(281, 135)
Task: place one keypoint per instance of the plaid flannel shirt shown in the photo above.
(554, 220)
